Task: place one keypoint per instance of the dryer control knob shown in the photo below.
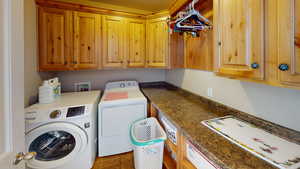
(55, 114)
(122, 85)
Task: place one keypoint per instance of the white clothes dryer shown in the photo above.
(121, 104)
(63, 133)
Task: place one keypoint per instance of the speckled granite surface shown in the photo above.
(186, 111)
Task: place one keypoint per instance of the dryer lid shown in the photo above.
(55, 144)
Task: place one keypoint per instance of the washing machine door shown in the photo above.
(56, 144)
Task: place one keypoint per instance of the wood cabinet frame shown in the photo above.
(92, 51)
(177, 51)
(289, 41)
(136, 49)
(249, 42)
(184, 162)
(70, 45)
(114, 40)
(61, 53)
(155, 44)
(99, 53)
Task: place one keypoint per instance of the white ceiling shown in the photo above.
(148, 5)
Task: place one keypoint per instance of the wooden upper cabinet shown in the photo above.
(199, 51)
(68, 40)
(55, 38)
(114, 30)
(87, 42)
(157, 43)
(289, 42)
(176, 50)
(239, 27)
(136, 43)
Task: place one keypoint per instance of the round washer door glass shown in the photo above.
(53, 145)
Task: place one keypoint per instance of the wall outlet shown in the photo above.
(210, 92)
(82, 86)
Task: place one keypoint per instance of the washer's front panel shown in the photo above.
(53, 145)
(57, 145)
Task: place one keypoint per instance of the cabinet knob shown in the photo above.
(254, 65)
(283, 67)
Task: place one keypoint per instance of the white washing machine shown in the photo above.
(121, 104)
(63, 133)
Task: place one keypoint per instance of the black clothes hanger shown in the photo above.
(193, 21)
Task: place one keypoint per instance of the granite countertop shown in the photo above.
(186, 111)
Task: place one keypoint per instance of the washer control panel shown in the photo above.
(58, 114)
(75, 111)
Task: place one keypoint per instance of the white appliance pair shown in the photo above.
(63, 133)
(122, 104)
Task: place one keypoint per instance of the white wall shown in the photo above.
(100, 77)
(278, 105)
(3, 45)
(31, 75)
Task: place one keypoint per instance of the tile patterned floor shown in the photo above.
(122, 161)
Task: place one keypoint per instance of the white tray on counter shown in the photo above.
(273, 149)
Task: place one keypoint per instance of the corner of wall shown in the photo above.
(32, 78)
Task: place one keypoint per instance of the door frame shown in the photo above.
(12, 52)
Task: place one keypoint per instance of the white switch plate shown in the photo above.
(210, 92)
(82, 86)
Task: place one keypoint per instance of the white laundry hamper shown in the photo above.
(148, 139)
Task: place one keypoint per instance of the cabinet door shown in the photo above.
(137, 44)
(289, 42)
(199, 51)
(157, 43)
(177, 46)
(240, 44)
(55, 38)
(114, 30)
(87, 32)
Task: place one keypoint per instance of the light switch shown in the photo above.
(210, 92)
